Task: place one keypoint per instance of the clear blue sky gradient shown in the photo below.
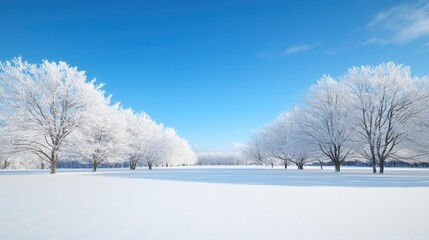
(213, 70)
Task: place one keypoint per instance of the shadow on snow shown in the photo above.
(306, 178)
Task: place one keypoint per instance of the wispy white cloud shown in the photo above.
(296, 49)
(401, 24)
(293, 49)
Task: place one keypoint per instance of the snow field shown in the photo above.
(118, 204)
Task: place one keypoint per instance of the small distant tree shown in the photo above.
(284, 139)
(179, 152)
(255, 149)
(152, 144)
(276, 138)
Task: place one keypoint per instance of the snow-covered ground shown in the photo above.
(215, 203)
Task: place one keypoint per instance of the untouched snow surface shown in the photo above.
(219, 203)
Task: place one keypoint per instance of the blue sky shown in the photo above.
(215, 70)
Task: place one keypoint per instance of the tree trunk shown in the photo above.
(300, 166)
(381, 165)
(373, 161)
(54, 159)
(53, 167)
(321, 165)
(272, 165)
(149, 164)
(94, 166)
(337, 166)
(285, 165)
(133, 164)
(166, 165)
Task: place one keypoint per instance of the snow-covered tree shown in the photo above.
(157, 148)
(43, 104)
(186, 155)
(327, 121)
(6, 151)
(299, 146)
(276, 138)
(384, 101)
(102, 137)
(140, 129)
(417, 142)
(152, 144)
(284, 139)
(255, 149)
(179, 151)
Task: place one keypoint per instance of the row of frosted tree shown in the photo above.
(371, 113)
(51, 112)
